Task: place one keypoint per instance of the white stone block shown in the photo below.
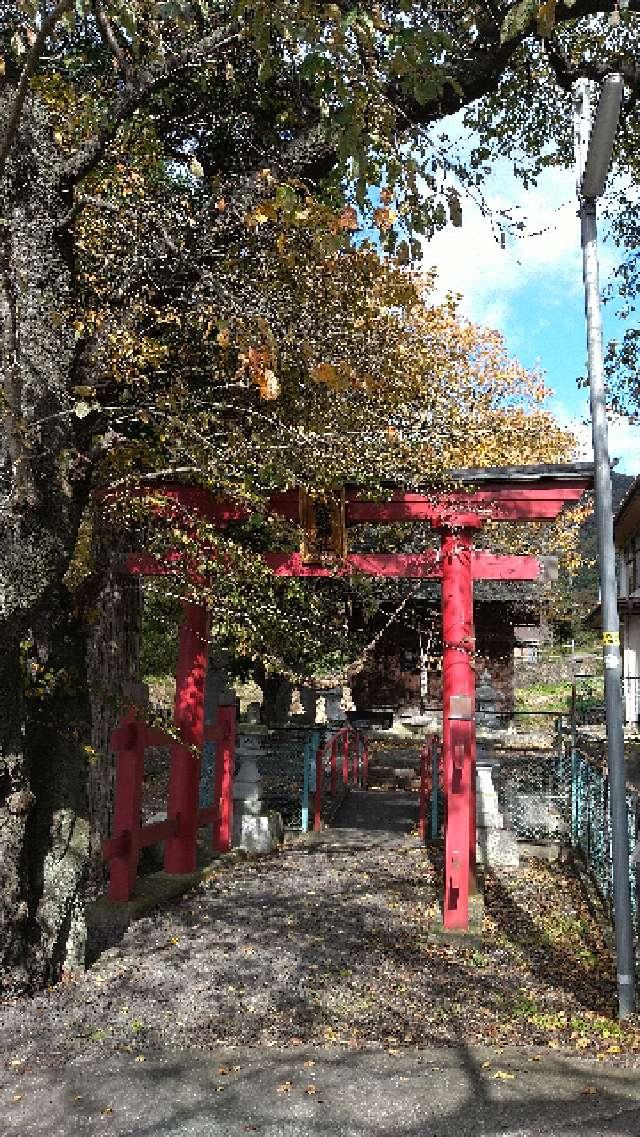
(257, 834)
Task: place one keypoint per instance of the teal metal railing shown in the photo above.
(563, 795)
(591, 827)
(304, 768)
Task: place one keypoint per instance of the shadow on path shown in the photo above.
(392, 814)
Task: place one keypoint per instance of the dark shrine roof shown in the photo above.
(567, 472)
(543, 474)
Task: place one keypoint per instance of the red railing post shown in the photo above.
(317, 797)
(356, 758)
(334, 767)
(345, 758)
(184, 775)
(223, 786)
(365, 764)
(128, 740)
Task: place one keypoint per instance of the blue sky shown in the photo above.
(532, 291)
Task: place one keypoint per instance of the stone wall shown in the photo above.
(556, 668)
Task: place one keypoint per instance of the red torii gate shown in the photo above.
(520, 493)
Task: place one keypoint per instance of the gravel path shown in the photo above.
(326, 943)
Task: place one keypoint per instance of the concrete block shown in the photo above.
(497, 848)
(257, 834)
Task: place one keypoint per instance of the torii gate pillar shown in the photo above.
(458, 724)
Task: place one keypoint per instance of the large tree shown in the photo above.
(159, 130)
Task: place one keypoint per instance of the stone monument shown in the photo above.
(334, 709)
(253, 830)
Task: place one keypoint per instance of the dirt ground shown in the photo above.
(328, 944)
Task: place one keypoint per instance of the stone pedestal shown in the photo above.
(261, 834)
(540, 815)
(253, 830)
(497, 848)
(334, 709)
(496, 845)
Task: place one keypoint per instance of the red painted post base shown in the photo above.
(184, 775)
(128, 740)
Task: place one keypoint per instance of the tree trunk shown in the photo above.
(57, 835)
(113, 660)
(16, 799)
(276, 697)
(44, 479)
(43, 811)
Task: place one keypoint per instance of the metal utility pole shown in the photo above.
(593, 156)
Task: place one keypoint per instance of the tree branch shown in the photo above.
(110, 39)
(137, 90)
(31, 63)
(309, 156)
(477, 71)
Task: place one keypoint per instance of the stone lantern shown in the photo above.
(488, 699)
(253, 830)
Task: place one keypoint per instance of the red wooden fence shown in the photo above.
(184, 817)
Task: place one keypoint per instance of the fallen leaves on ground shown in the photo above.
(331, 946)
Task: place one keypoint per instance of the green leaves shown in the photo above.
(518, 19)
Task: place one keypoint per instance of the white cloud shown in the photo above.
(532, 290)
(624, 437)
(470, 261)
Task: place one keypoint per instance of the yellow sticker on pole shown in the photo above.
(610, 638)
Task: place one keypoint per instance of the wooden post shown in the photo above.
(128, 741)
(345, 758)
(304, 811)
(184, 775)
(356, 758)
(334, 767)
(224, 772)
(365, 763)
